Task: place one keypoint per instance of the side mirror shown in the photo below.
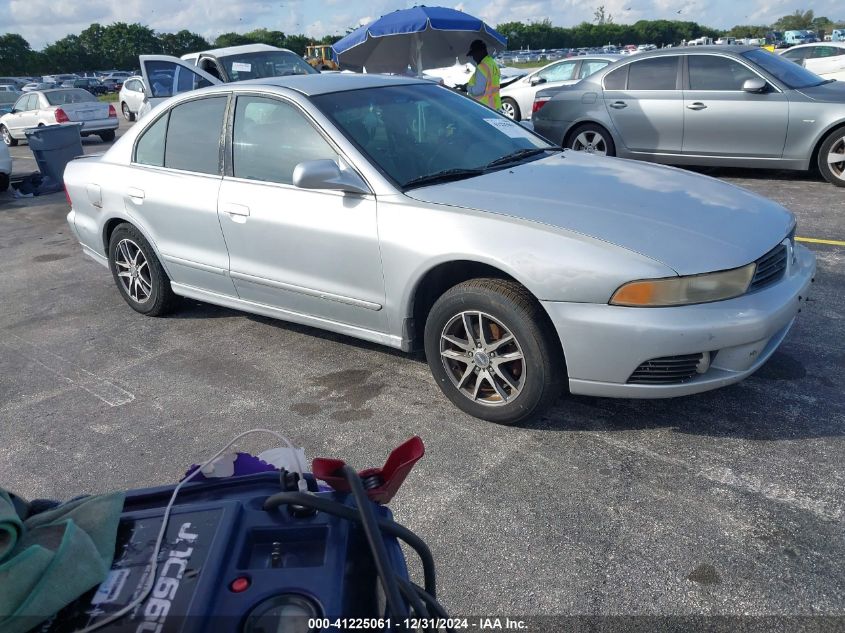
(325, 174)
(536, 81)
(754, 85)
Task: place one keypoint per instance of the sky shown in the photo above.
(41, 22)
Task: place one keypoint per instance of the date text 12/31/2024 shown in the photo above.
(413, 624)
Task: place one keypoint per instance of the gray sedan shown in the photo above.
(397, 211)
(734, 106)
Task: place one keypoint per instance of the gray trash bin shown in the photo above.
(54, 146)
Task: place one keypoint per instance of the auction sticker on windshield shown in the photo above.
(513, 130)
(241, 67)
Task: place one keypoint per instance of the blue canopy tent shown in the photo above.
(421, 37)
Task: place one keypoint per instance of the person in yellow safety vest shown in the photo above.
(484, 85)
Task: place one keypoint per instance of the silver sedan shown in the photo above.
(397, 211)
(734, 106)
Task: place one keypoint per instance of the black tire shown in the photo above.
(4, 182)
(7, 137)
(512, 309)
(160, 299)
(509, 105)
(598, 138)
(127, 113)
(107, 136)
(834, 173)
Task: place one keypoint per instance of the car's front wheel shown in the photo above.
(510, 109)
(492, 351)
(7, 136)
(592, 139)
(138, 273)
(832, 158)
(127, 113)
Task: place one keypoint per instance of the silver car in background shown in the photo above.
(518, 97)
(735, 106)
(62, 105)
(397, 211)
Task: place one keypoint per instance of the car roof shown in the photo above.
(836, 44)
(713, 48)
(324, 83)
(234, 50)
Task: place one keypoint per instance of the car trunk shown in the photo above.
(86, 111)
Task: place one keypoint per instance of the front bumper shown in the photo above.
(604, 344)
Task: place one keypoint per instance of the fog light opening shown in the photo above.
(704, 364)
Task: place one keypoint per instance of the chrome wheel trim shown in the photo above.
(126, 111)
(836, 159)
(7, 136)
(590, 142)
(133, 271)
(482, 358)
(508, 110)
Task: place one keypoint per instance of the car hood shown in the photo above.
(689, 222)
(830, 92)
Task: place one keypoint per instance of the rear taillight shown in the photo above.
(112, 112)
(61, 116)
(539, 102)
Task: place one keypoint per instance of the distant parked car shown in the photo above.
(111, 84)
(63, 105)
(132, 98)
(826, 60)
(37, 85)
(518, 97)
(740, 106)
(86, 83)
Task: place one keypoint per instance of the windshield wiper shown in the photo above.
(520, 154)
(443, 176)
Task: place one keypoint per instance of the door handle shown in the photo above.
(137, 195)
(696, 106)
(618, 105)
(234, 209)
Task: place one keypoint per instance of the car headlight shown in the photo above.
(679, 291)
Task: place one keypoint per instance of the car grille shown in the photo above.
(770, 268)
(668, 370)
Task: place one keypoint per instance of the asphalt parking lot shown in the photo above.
(725, 503)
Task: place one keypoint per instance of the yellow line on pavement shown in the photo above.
(813, 240)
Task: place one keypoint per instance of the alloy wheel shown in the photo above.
(590, 142)
(482, 358)
(133, 270)
(126, 113)
(836, 158)
(508, 110)
(7, 138)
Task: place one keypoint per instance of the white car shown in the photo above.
(132, 97)
(37, 85)
(826, 59)
(63, 105)
(518, 97)
(5, 167)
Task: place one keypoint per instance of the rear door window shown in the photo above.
(193, 135)
(656, 73)
(563, 71)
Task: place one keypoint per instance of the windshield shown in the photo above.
(414, 131)
(265, 64)
(790, 73)
(64, 97)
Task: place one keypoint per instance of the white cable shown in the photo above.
(149, 583)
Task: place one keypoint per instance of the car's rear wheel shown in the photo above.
(127, 113)
(492, 351)
(138, 273)
(510, 109)
(592, 139)
(107, 136)
(7, 136)
(832, 158)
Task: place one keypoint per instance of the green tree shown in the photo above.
(16, 57)
(231, 39)
(122, 43)
(602, 16)
(182, 42)
(66, 55)
(749, 30)
(795, 21)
